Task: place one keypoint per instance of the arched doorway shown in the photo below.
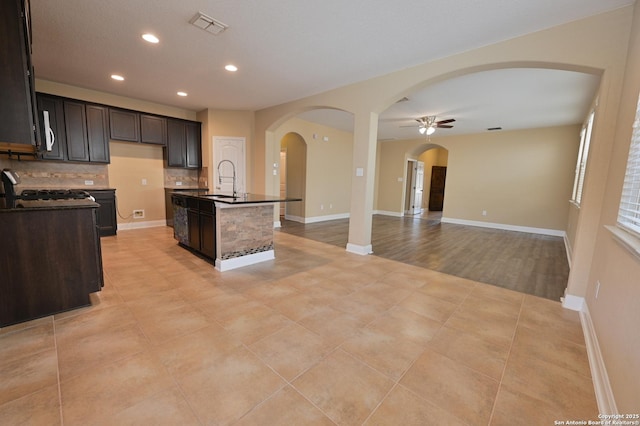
(293, 175)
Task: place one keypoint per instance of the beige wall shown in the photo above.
(328, 174)
(520, 178)
(295, 149)
(130, 163)
(231, 124)
(615, 312)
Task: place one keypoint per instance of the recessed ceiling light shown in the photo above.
(117, 77)
(150, 38)
(182, 93)
(231, 68)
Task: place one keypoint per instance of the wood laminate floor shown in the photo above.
(529, 263)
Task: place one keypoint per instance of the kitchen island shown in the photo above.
(50, 258)
(232, 231)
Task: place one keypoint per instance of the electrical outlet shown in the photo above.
(88, 182)
(321, 206)
(178, 183)
(144, 181)
(484, 212)
(138, 214)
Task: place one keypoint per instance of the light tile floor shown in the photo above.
(318, 336)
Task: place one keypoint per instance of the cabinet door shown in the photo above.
(55, 108)
(193, 222)
(124, 125)
(194, 145)
(176, 143)
(97, 135)
(153, 129)
(208, 235)
(17, 100)
(106, 213)
(75, 124)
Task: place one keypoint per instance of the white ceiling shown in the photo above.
(290, 49)
(516, 98)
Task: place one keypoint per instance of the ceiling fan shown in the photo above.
(427, 125)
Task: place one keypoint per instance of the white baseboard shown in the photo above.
(567, 248)
(325, 218)
(138, 225)
(572, 302)
(358, 249)
(294, 218)
(602, 386)
(388, 213)
(317, 219)
(530, 230)
(239, 262)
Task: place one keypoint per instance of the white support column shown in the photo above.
(363, 182)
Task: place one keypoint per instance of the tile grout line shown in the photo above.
(55, 344)
(506, 363)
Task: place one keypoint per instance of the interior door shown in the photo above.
(436, 192)
(228, 156)
(418, 186)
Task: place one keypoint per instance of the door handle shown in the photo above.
(49, 136)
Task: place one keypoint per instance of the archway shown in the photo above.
(293, 175)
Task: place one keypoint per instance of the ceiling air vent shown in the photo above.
(208, 24)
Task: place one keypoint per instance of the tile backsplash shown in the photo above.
(60, 175)
(188, 178)
(53, 175)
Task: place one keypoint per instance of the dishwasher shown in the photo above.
(180, 223)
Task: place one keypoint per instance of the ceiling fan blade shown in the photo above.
(451, 120)
(444, 126)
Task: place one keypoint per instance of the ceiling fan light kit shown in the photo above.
(429, 124)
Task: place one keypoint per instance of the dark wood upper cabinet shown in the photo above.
(97, 133)
(75, 123)
(176, 144)
(87, 132)
(184, 144)
(54, 107)
(134, 126)
(153, 129)
(17, 103)
(194, 145)
(124, 125)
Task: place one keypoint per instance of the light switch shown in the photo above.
(359, 171)
(275, 172)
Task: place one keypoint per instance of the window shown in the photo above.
(629, 212)
(581, 164)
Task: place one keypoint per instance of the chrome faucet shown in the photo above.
(220, 177)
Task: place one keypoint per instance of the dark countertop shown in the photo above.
(24, 205)
(244, 199)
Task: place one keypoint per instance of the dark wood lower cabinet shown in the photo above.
(208, 235)
(106, 213)
(50, 260)
(201, 224)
